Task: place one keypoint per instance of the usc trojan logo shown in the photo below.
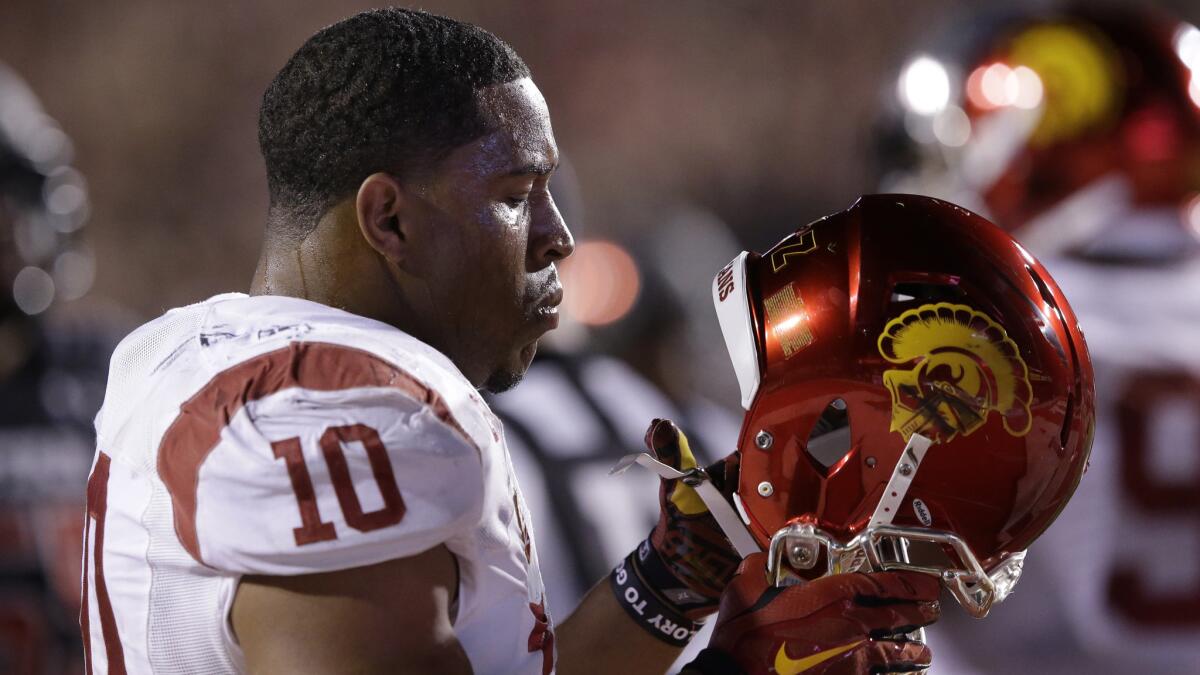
(962, 368)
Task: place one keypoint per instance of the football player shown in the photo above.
(1079, 131)
(306, 478)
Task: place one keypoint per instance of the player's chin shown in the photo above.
(510, 373)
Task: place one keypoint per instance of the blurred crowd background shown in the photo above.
(130, 183)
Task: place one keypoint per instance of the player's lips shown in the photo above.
(546, 311)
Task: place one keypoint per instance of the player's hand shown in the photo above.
(845, 624)
(687, 538)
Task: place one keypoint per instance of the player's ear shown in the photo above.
(380, 205)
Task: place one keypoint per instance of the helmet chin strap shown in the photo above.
(733, 527)
(902, 477)
(800, 543)
(893, 496)
(889, 504)
(728, 520)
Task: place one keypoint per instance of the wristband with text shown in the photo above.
(642, 584)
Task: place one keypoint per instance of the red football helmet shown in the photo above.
(912, 377)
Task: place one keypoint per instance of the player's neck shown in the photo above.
(330, 268)
(333, 265)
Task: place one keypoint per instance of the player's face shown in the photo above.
(495, 235)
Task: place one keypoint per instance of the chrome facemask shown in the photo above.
(882, 546)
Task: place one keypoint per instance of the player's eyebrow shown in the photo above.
(534, 168)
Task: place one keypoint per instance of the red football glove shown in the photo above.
(687, 538)
(845, 624)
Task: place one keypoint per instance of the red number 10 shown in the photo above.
(312, 528)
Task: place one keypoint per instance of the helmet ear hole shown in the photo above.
(829, 441)
(926, 292)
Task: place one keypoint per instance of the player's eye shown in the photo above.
(518, 200)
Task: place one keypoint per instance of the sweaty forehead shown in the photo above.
(521, 133)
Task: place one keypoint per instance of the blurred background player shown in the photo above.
(1079, 131)
(51, 382)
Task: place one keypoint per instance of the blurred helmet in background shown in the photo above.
(43, 204)
(912, 377)
(1058, 126)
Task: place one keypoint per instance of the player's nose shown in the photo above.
(550, 239)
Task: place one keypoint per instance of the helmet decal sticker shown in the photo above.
(788, 320)
(962, 366)
(806, 242)
(922, 512)
(725, 283)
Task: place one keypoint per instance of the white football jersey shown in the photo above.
(277, 436)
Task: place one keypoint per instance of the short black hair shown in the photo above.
(385, 90)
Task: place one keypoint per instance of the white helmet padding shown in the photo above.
(732, 301)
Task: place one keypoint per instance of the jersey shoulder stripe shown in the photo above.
(317, 366)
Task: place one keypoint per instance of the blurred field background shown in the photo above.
(756, 111)
(692, 129)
